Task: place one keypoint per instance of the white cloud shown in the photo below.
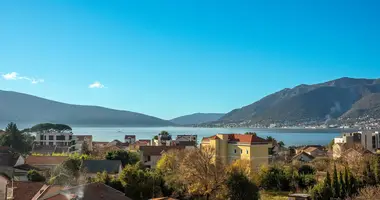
(15, 76)
(96, 84)
(10, 76)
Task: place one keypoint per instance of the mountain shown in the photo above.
(306, 103)
(367, 106)
(197, 118)
(23, 108)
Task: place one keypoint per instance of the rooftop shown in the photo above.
(45, 160)
(25, 190)
(92, 191)
(239, 138)
(157, 150)
(94, 166)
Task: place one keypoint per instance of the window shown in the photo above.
(70, 137)
(41, 143)
(374, 142)
(241, 151)
(51, 137)
(51, 143)
(247, 151)
(234, 150)
(41, 137)
(60, 137)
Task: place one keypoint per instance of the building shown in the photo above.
(315, 152)
(303, 157)
(52, 138)
(91, 191)
(112, 167)
(21, 190)
(231, 147)
(78, 140)
(186, 138)
(45, 162)
(9, 161)
(368, 140)
(150, 155)
(130, 139)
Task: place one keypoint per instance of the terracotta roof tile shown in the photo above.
(25, 190)
(251, 139)
(45, 160)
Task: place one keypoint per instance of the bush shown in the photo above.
(240, 187)
(34, 176)
(306, 169)
(306, 181)
(275, 178)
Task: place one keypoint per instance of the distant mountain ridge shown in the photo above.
(24, 108)
(197, 118)
(305, 103)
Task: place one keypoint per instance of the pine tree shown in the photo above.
(369, 176)
(376, 169)
(353, 185)
(335, 184)
(342, 185)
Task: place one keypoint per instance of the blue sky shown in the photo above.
(169, 58)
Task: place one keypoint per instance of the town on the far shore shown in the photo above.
(51, 162)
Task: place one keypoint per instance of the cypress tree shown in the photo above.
(335, 184)
(347, 183)
(353, 185)
(342, 186)
(327, 191)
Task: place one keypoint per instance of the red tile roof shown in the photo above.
(83, 137)
(25, 190)
(45, 160)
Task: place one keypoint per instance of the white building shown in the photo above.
(78, 140)
(54, 138)
(370, 140)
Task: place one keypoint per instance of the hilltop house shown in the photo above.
(231, 147)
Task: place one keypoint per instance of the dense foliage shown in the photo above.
(35, 176)
(49, 126)
(14, 138)
(239, 187)
(126, 157)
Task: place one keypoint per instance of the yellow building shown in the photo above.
(231, 147)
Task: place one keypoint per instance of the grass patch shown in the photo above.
(269, 195)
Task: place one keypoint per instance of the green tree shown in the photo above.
(49, 126)
(306, 169)
(347, 181)
(327, 189)
(102, 177)
(127, 158)
(281, 144)
(138, 183)
(335, 184)
(250, 133)
(275, 178)
(369, 176)
(239, 187)
(306, 181)
(164, 133)
(343, 187)
(34, 176)
(14, 138)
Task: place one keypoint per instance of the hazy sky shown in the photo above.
(170, 58)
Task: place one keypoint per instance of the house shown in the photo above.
(315, 152)
(99, 144)
(21, 190)
(91, 191)
(9, 159)
(186, 138)
(353, 156)
(78, 140)
(92, 167)
(4, 180)
(45, 162)
(302, 148)
(303, 157)
(150, 155)
(138, 144)
(231, 147)
(130, 139)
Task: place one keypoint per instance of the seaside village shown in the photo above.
(62, 165)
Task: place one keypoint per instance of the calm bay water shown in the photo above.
(288, 136)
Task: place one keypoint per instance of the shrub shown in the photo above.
(306, 169)
(33, 175)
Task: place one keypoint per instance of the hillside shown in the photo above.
(197, 118)
(23, 108)
(369, 106)
(305, 103)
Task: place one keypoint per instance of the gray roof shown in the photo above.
(8, 159)
(94, 166)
